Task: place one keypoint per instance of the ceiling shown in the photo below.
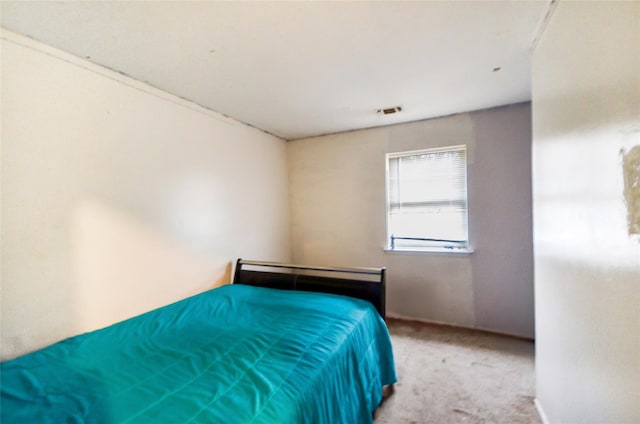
(299, 69)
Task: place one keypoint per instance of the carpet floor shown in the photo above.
(452, 375)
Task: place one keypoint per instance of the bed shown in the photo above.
(283, 344)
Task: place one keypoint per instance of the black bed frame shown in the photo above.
(364, 283)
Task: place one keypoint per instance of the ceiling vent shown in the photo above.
(390, 110)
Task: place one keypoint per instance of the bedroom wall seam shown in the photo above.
(121, 78)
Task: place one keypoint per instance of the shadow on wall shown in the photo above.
(123, 268)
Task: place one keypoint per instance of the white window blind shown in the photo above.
(427, 199)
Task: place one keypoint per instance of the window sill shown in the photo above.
(438, 250)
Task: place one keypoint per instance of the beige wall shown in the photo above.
(586, 113)
(337, 198)
(118, 198)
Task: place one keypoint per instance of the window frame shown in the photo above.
(466, 248)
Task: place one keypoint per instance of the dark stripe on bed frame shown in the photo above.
(301, 277)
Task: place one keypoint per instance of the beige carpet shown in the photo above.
(450, 375)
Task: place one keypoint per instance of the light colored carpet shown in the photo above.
(451, 375)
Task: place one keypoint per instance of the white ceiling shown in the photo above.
(298, 69)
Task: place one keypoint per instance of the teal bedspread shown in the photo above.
(235, 354)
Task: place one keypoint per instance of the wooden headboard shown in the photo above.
(361, 283)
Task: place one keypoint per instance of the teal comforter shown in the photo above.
(235, 354)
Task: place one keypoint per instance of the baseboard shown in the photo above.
(446, 324)
(543, 416)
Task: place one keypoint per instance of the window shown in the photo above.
(427, 199)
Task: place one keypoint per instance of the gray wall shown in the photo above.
(337, 200)
(586, 114)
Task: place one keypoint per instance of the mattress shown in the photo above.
(235, 354)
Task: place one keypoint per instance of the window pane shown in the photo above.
(428, 198)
